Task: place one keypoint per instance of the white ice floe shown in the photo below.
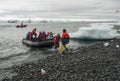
(97, 31)
(106, 44)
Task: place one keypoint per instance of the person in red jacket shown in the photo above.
(65, 40)
(40, 36)
(33, 33)
(57, 41)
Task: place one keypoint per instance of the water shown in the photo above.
(13, 52)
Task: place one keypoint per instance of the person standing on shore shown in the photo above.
(65, 40)
(33, 33)
(57, 41)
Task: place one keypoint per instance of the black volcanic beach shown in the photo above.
(97, 62)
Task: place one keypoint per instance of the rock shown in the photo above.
(106, 44)
(43, 72)
(117, 46)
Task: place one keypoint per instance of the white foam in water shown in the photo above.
(96, 31)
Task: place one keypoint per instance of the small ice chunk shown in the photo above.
(106, 44)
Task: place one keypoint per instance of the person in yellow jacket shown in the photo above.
(65, 40)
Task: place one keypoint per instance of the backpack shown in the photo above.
(65, 41)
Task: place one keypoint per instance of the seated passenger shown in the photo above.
(28, 35)
(51, 35)
(44, 36)
(47, 37)
(40, 36)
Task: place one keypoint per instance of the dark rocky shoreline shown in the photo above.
(92, 63)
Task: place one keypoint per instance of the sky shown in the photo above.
(57, 8)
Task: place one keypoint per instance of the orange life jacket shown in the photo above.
(65, 35)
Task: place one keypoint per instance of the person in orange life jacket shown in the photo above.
(57, 41)
(65, 40)
(33, 33)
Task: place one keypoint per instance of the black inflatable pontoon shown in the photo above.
(47, 43)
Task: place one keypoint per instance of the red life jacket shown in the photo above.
(33, 31)
(40, 36)
(65, 35)
(56, 38)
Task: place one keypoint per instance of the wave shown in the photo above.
(96, 32)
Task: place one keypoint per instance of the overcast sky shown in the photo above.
(50, 8)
